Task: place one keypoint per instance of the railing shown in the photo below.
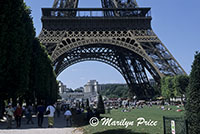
(176, 125)
(96, 12)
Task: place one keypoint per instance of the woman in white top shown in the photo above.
(50, 113)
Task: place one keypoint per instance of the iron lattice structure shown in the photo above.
(118, 34)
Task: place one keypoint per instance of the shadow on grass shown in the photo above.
(119, 131)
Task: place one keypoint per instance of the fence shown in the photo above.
(175, 125)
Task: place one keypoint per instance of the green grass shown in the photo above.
(154, 113)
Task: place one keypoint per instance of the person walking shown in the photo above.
(40, 114)
(50, 110)
(18, 115)
(58, 109)
(68, 118)
(9, 114)
(29, 114)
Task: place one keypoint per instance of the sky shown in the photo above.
(176, 23)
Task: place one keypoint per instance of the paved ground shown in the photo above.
(59, 128)
(42, 131)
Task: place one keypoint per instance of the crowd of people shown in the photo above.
(66, 110)
(27, 112)
(40, 111)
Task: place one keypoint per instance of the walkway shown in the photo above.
(59, 128)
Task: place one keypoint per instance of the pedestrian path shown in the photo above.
(42, 131)
(59, 127)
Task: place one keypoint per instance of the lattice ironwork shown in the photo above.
(118, 34)
(119, 4)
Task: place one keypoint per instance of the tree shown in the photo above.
(180, 85)
(16, 36)
(193, 97)
(157, 89)
(115, 91)
(100, 105)
(167, 87)
(78, 90)
(87, 103)
(42, 77)
(25, 67)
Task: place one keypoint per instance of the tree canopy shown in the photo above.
(115, 91)
(193, 97)
(174, 86)
(26, 72)
(100, 105)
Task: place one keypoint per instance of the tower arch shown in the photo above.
(119, 35)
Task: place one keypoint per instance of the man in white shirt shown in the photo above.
(68, 115)
(50, 110)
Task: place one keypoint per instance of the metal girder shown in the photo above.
(163, 59)
(127, 63)
(119, 4)
(122, 37)
(65, 4)
(105, 4)
(83, 53)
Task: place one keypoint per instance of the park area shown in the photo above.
(154, 113)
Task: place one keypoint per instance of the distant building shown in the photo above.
(90, 92)
(91, 86)
(72, 96)
(62, 88)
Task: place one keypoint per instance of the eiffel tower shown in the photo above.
(118, 34)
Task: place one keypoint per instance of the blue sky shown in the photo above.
(176, 23)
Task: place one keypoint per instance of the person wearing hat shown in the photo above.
(9, 114)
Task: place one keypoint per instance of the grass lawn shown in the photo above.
(154, 114)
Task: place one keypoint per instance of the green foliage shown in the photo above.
(16, 37)
(43, 80)
(157, 89)
(174, 86)
(100, 105)
(180, 84)
(167, 87)
(115, 91)
(25, 69)
(79, 89)
(193, 97)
